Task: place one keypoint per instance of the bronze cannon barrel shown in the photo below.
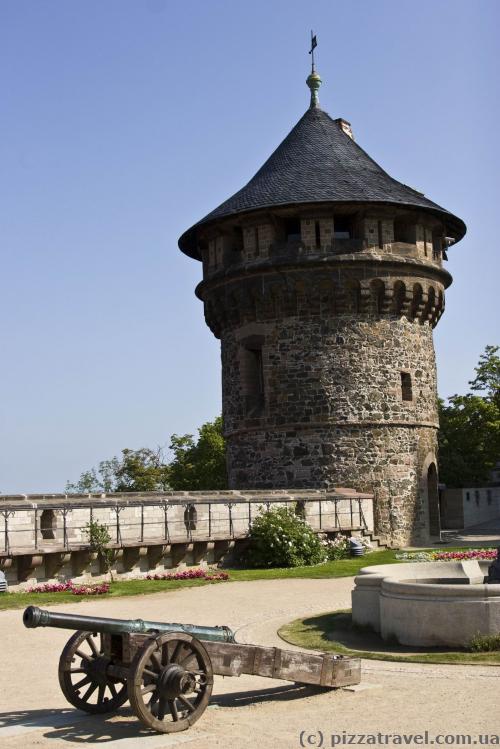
(36, 617)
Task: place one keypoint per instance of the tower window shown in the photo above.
(380, 235)
(342, 227)
(317, 234)
(406, 387)
(238, 239)
(252, 375)
(404, 232)
(292, 230)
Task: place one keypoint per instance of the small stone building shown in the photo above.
(323, 278)
(465, 508)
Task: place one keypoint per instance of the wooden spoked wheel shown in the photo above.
(83, 677)
(170, 682)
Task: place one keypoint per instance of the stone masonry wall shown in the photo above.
(334, 412)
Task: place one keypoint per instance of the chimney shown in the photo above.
(345, 127)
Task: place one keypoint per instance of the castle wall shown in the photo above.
(43, 538)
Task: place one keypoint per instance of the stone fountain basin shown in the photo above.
(427, 604)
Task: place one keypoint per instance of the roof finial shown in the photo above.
(314, 79)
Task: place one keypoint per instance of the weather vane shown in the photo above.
(314, 44)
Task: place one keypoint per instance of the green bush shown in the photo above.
(99, 538)
(485, 643)
(280, 538)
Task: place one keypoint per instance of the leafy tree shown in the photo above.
(142, 470)
(202, 464)
(469, 437)
(136, 471)
(487, 377)
(98, 480)
(196, 465)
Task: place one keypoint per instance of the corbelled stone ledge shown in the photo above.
(43, 537)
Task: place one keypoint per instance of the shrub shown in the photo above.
(280, 538)
(484, 643)
(99, 538)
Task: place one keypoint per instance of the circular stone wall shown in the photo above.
(431, 604)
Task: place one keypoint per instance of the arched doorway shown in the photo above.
(433, 500)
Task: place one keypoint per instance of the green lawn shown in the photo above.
(334, 632)
(119, 588)
(340, 568)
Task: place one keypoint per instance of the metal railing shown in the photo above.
(195, 521)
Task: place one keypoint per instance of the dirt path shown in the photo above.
(249, 711)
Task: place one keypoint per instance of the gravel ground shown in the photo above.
(248, 711)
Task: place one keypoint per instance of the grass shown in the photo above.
(335, 632)
(117, 589)
(339, 568)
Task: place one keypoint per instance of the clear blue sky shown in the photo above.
(123, 122)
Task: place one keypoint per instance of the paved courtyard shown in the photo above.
(248, 711)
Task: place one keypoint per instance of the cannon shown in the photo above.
(166, 670)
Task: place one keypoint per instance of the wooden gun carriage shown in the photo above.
(166, 670)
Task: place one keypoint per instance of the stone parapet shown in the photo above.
(43, 537)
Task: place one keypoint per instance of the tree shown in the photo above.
(469, 437)
(142, 470)
(96, 481)
(202, 464)
(487, 377)
(195, 465)
(137, 470)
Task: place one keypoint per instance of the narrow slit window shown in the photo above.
(380, 236)
(252, 373)
(317, 234)
(406, 386)
(257, 374)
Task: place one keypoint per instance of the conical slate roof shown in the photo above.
(318, 162)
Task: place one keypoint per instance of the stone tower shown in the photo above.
(323, 279)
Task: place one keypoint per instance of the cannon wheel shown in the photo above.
(83, 678)
(170, 682)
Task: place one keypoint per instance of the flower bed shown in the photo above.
(69, 586)
(199, 573)
(447, 556)
(454, 556)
